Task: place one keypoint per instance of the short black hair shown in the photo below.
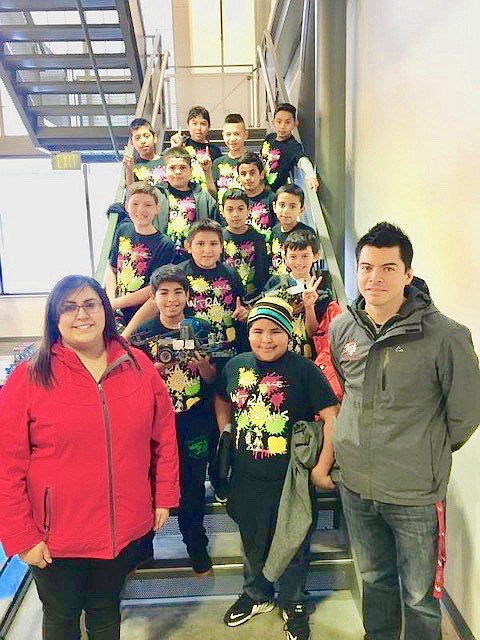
(292, 188)
(235, 194)
(251, 158)
(234, 118)
(302, 239)
(207, 224)
(285, 106)
(176, 152)
(168, 273)
(137, 123)
(385, 234)
(198, 111)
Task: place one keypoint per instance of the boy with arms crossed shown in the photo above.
(281, 152)
(137, 250)
(244, 247)
(181, 201)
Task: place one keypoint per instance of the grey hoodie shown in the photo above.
(412, 395)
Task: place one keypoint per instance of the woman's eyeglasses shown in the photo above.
(72, 309)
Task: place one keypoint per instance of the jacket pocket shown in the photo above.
(47, 511)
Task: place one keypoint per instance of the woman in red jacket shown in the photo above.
(88, 461)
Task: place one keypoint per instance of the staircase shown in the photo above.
(47, 69)
(169, 574)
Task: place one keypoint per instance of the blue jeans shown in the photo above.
(395, 548)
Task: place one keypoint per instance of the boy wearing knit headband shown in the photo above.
(262, 394)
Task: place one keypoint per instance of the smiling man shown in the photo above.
(412, 386)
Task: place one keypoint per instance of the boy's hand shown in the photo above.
(127, 161)
(162, 367)
(321, 479)
(206, 368)
(177, 139)
(240, 312)
(206, 162)
(310, 295)
(312, 183)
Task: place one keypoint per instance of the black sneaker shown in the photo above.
(296, 622)
(201, 562)
(244, 609)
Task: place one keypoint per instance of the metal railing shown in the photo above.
(276, 91)
(150, 106)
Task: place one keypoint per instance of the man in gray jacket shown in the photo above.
(412, 396)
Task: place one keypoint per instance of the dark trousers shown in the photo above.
(193, 436)
(395, 549)
(254, 506)
(70, 585)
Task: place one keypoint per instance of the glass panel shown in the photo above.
(238, 34)
(43, 225)
(205, 34)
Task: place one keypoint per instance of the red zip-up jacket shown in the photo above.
(83, 464)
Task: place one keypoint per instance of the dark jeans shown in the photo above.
(70, 585)
(193, 446)
(395, 549)
(254, 506)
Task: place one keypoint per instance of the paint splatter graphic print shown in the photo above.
(262, 424)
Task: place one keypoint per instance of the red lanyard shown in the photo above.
(438, 585)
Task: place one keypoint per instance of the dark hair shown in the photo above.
(137, 123)
(168, 273)
(142, 187)
(293, 189)
(40, 368)
(198, 111)
(302, 239)
(251, 158)
(286, 106)
(207, 224)
(235, 194)
(234, 118)
(385, 234)
(177, 152)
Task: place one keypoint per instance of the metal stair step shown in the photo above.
(65, 61)
(57, 5)
(77, 86)
(170, 574)
(58, 32)
(81, 109)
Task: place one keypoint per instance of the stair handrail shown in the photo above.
(148, 96)
(313, 206)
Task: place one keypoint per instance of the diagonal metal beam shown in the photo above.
(88, 42)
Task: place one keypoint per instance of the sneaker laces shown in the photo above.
(296, 620)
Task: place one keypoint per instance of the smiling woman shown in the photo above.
(86, 401)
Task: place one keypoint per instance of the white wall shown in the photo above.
(415, 108)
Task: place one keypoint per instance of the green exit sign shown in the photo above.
(68, 160)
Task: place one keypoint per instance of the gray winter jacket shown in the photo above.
(205, 206)
(295, 509)
(412, 396)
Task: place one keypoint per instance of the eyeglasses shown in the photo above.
(72, 309)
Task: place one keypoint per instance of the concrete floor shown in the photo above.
(335, 618)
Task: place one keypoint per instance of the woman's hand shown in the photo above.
(37, 556)
(161, 516)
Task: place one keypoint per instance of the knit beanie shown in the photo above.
(274, 309)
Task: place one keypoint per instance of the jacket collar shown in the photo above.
(408, 319)
(116, 354)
